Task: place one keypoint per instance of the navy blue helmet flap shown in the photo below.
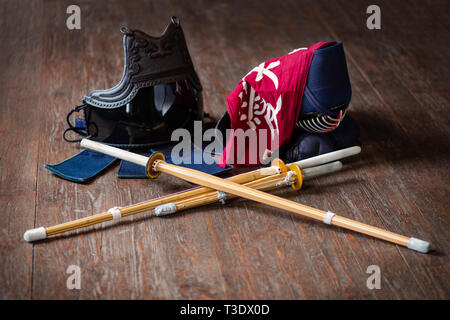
(327, 92)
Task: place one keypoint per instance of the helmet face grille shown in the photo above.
(320, 123)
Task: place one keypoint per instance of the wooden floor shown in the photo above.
(400, 81)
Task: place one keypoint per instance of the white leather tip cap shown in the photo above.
(165, 209)
(35, 234)
(419, 245)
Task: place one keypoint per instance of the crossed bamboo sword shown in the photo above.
(250, 185)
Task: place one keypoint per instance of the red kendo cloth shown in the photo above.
(268, 97)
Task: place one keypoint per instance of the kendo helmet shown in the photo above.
(326, 96)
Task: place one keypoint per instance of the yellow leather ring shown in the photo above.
(277, 162)
(299, 177)
(151, 172)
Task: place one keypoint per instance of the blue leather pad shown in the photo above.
(87, 164)
(82, 167)
(128, 170)
(328, 83)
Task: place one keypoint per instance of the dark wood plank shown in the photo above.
(406, 133)
(20, 89)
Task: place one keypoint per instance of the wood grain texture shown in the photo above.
(20, 125)
(244, 250)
